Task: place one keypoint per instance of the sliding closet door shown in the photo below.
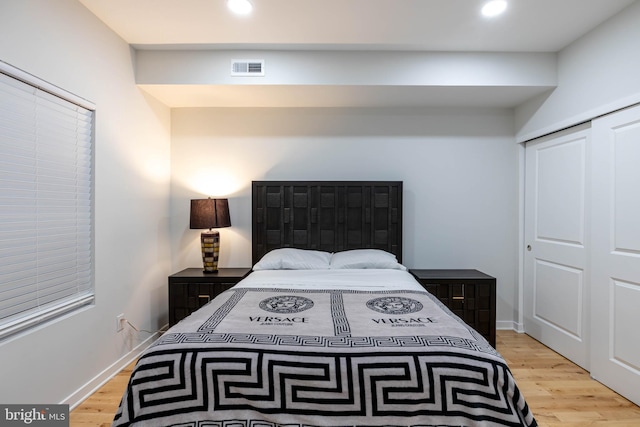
(556, 291)
(616, 252)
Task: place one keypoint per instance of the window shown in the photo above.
(46, 201)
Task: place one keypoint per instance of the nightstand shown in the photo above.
(190, 289)
(470, 294)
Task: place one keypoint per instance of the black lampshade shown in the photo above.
(209, 213)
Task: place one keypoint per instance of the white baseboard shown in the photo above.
(84, 392)
(506, 325)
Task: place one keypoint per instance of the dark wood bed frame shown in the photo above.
(329, 216)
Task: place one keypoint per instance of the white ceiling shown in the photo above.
(421, 25)
(440, 25)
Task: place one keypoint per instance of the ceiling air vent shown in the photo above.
(247, 67)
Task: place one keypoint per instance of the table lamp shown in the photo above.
(209, 214)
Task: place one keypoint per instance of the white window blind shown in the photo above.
(46, 207)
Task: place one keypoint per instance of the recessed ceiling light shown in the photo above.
(241, 7)
(494, 8)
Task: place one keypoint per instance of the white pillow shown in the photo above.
(365, 258)
(294, 259)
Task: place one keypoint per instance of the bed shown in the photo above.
(328, 330)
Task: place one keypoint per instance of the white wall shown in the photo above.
(63, 43)
(597, 74)
(459, 167)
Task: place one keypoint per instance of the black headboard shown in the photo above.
(326, 215)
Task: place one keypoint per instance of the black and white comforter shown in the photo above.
(295, 348)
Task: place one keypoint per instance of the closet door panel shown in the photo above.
(626, 185)
(615, 283)
(556, 292)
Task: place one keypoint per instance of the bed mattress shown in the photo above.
(323, 348)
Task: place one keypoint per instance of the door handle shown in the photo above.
(529, 248)
(461, 296)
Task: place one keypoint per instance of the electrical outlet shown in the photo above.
(120, 321)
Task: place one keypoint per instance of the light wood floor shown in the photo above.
(558, 392)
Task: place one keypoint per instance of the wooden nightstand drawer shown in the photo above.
(191, 289)
(470, 294)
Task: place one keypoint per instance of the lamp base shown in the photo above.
(210, 242)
